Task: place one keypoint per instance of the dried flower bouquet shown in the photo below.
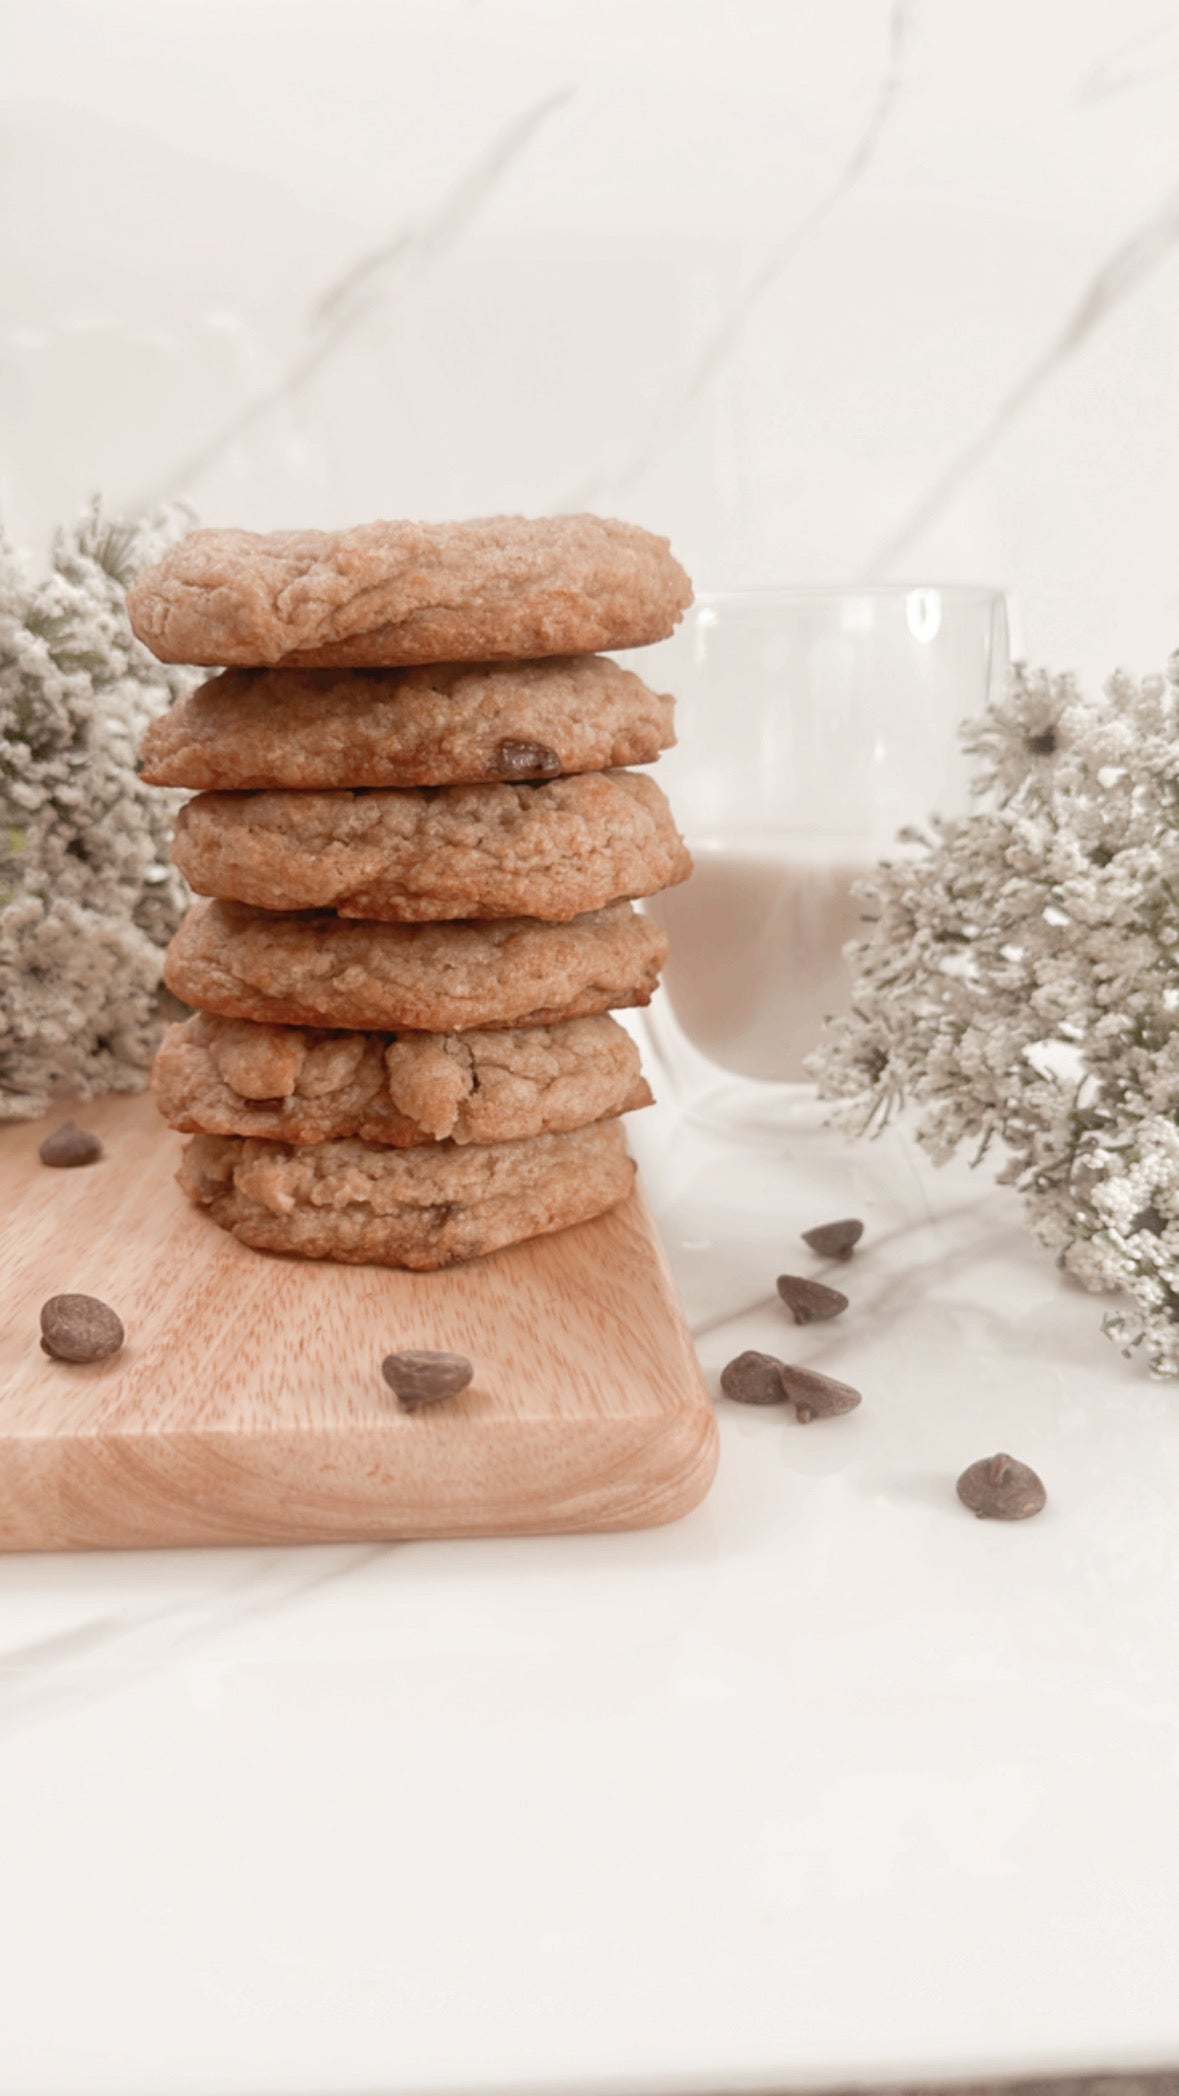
(88, 899)
(1019, 980)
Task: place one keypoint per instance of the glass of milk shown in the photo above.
(812, 725)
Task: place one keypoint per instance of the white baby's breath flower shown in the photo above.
(1021, 984)
(87, 898)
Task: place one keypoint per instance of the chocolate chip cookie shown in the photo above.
(446, 725)
(367, 1204)
(386, 594)
(320, 970)
(234, 1077)
(552, 851)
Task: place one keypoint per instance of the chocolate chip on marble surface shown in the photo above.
(418, 1377)
(70, 1145)
(835, 1240)
(998, 1488)
(753, 1379)
(526, 760)
(80, 1328)
(810, 1302)
(816, 1396)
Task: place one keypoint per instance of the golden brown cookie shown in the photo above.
(441, 726)
(385, 594)
(320, 970)
(552, 851)
(233, 1077)
(366, 1204)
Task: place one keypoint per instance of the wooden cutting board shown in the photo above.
(247, 1405)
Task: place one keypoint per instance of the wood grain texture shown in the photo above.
(248, 1405)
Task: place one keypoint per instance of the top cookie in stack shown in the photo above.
(411, 731)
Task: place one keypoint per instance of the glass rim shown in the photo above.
(970, 592)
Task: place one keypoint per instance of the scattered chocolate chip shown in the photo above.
(70, 1145)
(834, 1240)
(810, 1302)
(80, 1328)
(753, 1379)
(816, 1396)
(421, 1378)
(1000, 1489)
(526, 760)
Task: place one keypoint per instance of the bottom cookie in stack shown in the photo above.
(366, 1125)
(370, 1204)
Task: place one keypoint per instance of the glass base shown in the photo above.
(746, 1109)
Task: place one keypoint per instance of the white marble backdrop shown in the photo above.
(871, 288)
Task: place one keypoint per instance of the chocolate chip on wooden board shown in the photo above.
(998, 1488)
(80, 1328)
(835, 1240)
(754, 1379)
(810, 1302)
(418, 1377)
(70, 1145)
(816, 1396)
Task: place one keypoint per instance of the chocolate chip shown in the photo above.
(810, 1302)
(526, 760)
(80, 1328)
(816, 1396)
(753, 1379)
(421, 1378)
(70, 1145)
(834, 1240)
(1000, 1489)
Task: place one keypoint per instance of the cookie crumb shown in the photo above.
(423, 1378)
(70, 1145)
(998, 1488)
(835, 1240)
(816, 1396)
(754, 1379)
(80, 1328)
(810, 1302)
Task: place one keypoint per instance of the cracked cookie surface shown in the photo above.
(444, 725)
(289, 1084)
(552, 851)
(386, 593)
(366, 1204)
(321, 970)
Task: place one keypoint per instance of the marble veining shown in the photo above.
(40, 1676)
(377, 276)
(1119, 277)
(799, 287)
(351, 1819)
(730, 328)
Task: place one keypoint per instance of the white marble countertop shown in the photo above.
(829, 1782)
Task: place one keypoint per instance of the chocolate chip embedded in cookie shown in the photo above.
(447, 725)
(387, 594)
(366, 1204)
(321, 970)
(233, 1077)
(551, 851)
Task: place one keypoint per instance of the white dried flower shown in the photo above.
(88, 899)
(1021, 982)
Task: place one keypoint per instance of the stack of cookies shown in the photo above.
(421, 858)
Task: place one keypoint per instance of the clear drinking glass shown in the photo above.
(812, 725)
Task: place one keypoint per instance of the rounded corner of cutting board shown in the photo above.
(683, 1465)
